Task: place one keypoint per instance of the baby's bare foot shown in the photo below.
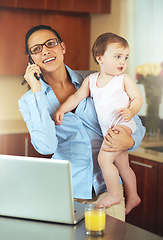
(109, 200)
(132, 203)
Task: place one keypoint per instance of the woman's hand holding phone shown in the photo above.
(32, 76)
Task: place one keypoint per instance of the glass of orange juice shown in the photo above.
(94, 220)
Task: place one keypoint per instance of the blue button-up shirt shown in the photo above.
(77, 139)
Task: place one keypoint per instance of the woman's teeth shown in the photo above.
(49, 59)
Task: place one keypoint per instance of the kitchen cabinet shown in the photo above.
(159, 226)
(38, 4)
(7, 3)
(52, 5)
(74, 30)
(18, 144)
(30, 4)
(84, 6)
(148, 215)
(88, 6)
(12, 144)
(70, 18)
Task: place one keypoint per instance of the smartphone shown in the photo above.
(32, 62)
(38, 78)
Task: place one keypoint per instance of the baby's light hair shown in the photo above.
(101, 43)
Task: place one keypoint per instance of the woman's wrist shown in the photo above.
(36, 87)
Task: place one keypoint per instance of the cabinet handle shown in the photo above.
(26, 147)
(142, 164)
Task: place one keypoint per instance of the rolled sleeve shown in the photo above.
(34, 109)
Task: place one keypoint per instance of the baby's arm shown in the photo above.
(72, 101)
(135, 96)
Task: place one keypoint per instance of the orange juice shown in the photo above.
(95, 220)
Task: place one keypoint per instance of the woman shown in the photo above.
(79, 137)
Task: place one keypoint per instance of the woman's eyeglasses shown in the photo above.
(50, 43)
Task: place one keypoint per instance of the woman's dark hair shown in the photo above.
(35, 29)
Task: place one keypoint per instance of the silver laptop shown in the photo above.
(39, 189)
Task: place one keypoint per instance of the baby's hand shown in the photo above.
(126, 113)
(57, 117)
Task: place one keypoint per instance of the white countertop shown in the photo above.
(150, 154)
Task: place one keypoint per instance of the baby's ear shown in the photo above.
(99, 59)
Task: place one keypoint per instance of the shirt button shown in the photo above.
(89, 146)
(90, 163)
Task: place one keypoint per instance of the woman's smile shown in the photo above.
(48, 60)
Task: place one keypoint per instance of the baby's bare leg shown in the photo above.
(128, 177)
(129, 181)
(111, 176)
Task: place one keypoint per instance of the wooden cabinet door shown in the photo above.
(52, 5)
(20, 145)
(8, 3)
(160, 201)
(85, 6)
(12, 144)
(31, 4)
(144, 215)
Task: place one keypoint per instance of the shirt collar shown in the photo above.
(76, 78)
(44, 86)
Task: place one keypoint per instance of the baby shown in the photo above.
(117, 99)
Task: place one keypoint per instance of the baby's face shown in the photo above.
(114, 61)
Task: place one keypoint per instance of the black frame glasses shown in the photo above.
(50, 43)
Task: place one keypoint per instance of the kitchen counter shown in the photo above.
(153, 155)
(19, 126)
(18, 229)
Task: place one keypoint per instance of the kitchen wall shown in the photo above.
(10, 91)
